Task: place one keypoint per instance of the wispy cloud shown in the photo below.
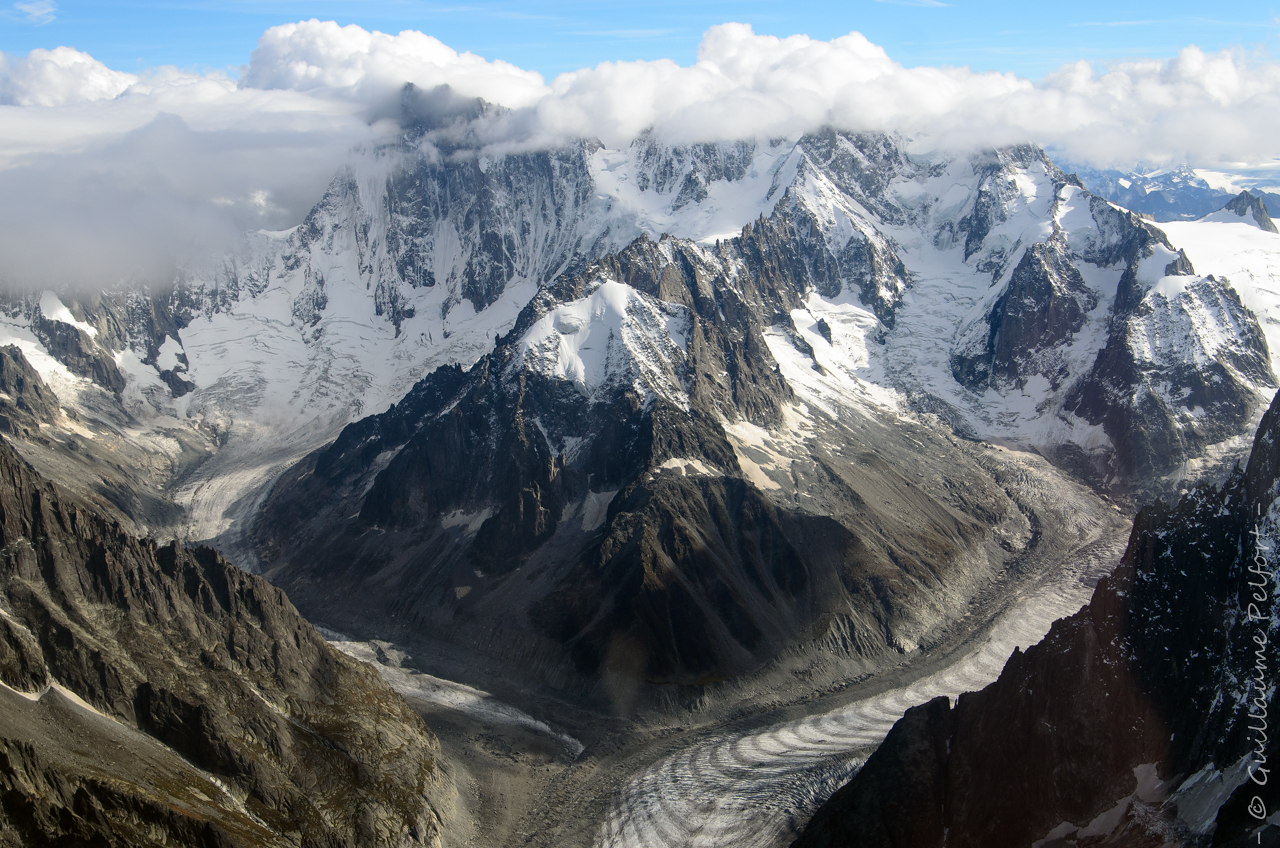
(38, 12)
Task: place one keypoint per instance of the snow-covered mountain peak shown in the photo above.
(613, 337)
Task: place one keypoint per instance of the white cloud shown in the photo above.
(57, 77)
(144, 167)
(1197, 107)
(1209, 109)
(745, 84)
(39, 12)
(108, 176)
(349, 62)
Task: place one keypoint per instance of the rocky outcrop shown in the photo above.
(1109, 730)
(1247, 205)
(1044, 304)
(1162, 389)
(76, 349)
(1183, 362)
(96, 326)
(430, 244)
(25, 401)
(996, 197)
(156, 695)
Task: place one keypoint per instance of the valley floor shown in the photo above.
(747, 775)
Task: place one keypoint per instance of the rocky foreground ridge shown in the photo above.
(157, 695)
(1129, 724)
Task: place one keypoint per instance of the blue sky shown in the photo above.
(1029, 39)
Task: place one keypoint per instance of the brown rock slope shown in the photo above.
(157, 695)
(1112, 728)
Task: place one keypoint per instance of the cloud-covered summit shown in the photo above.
(1202, 108)
(1196, 107)
(256, 150)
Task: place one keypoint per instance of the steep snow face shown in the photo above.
(411, 262)
(414, 259)
(701, 192)
(1244, 255)
(615, 336)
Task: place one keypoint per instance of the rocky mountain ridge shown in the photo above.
(877, 296)
(590, 451)
(1130, 724)
(154, 693)
(425, 250)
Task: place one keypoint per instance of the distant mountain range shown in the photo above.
(1167, 194)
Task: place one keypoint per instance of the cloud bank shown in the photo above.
(144, 167)
(57, 77)
(1202, 108)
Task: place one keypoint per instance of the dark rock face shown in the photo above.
(1246, 204)
(26, 401)
(74, 348)
(862, 165)
(866, 263)
(1158, 670)
(272, 737)
(1161, 392)
(1162, 389)
(1044, 304)
(516, 215)
(1159, 410)
(607, 527)
(128, 318)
